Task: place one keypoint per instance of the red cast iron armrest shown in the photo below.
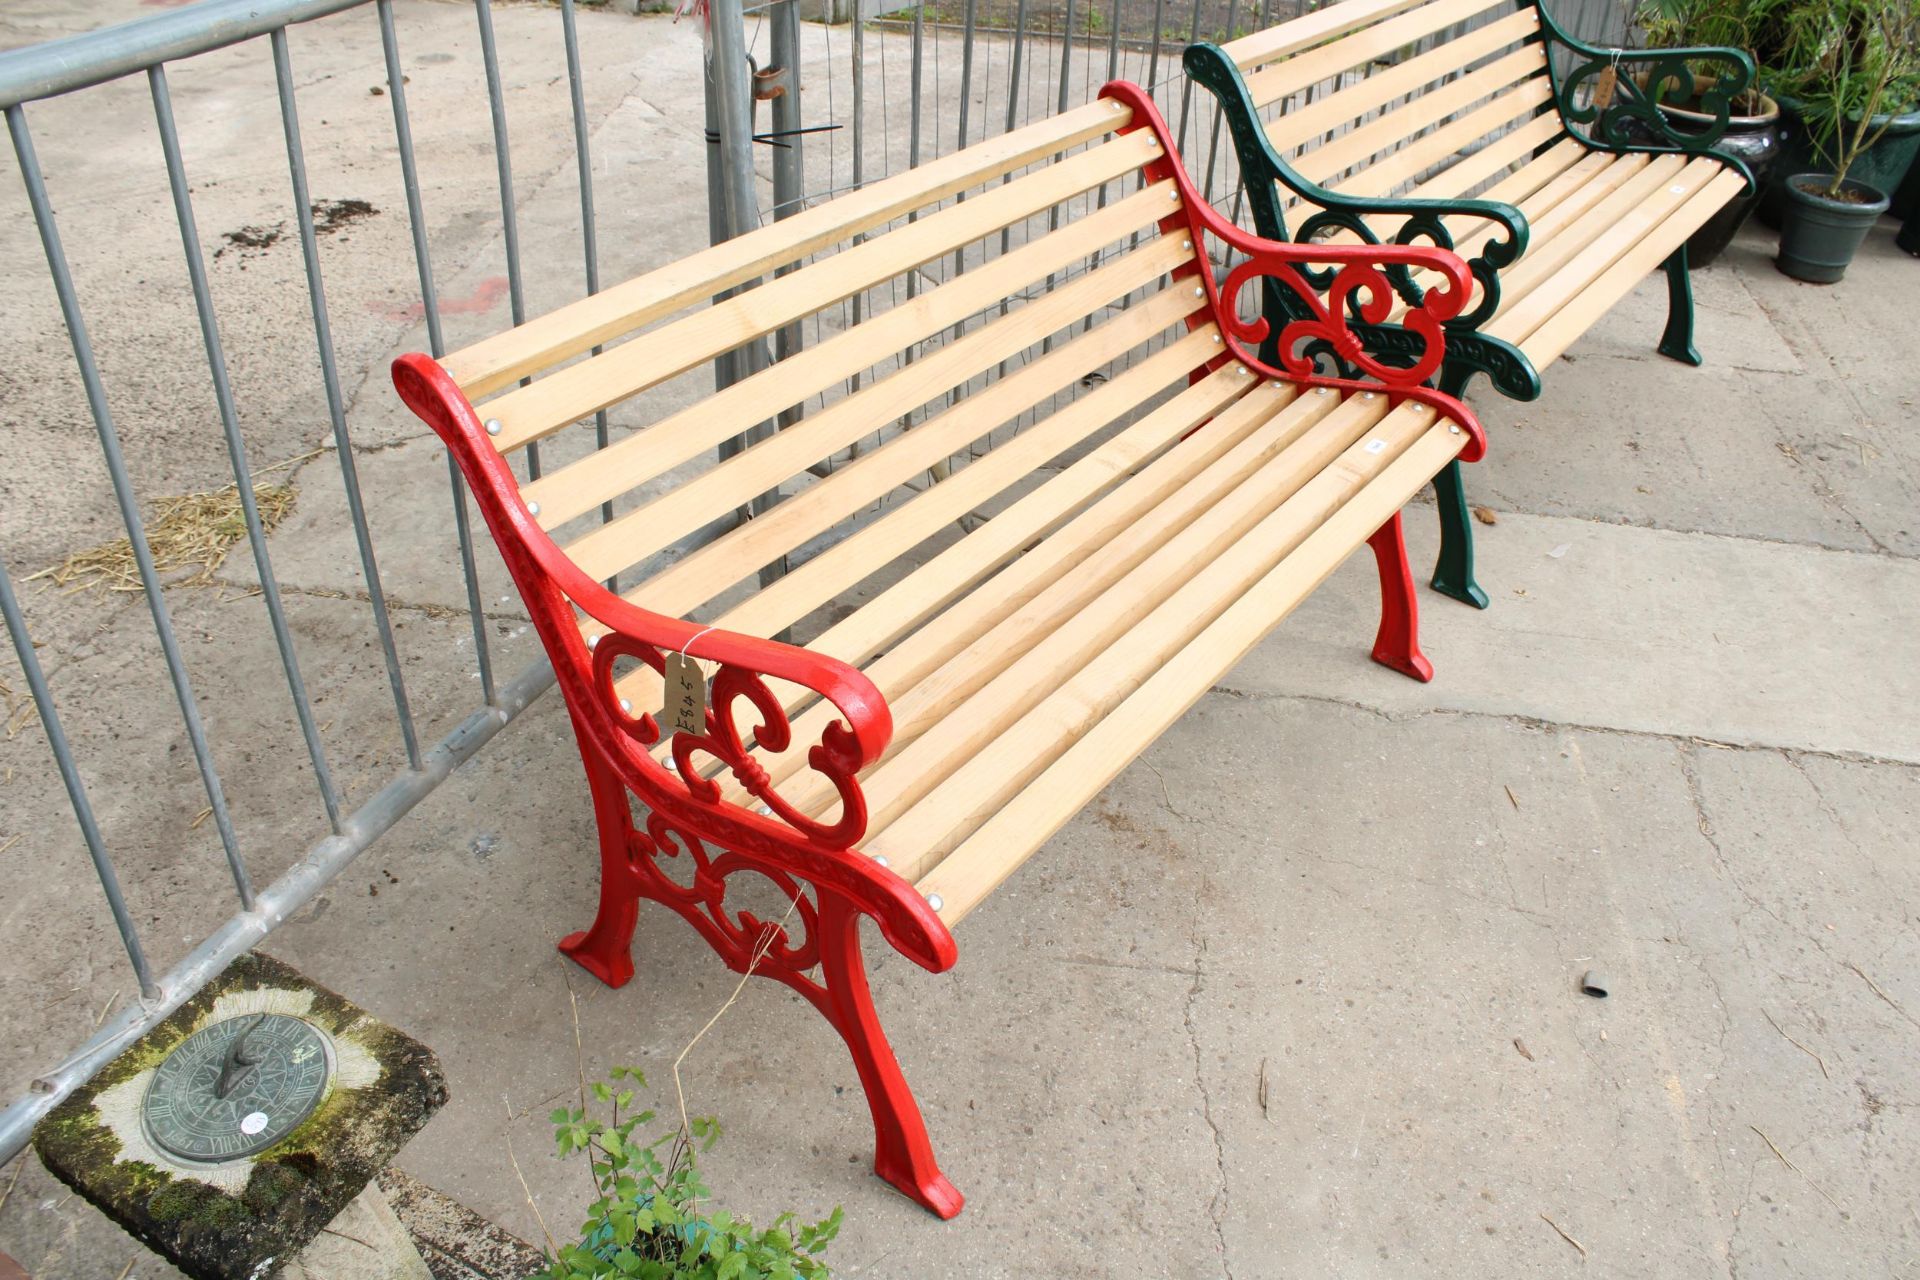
(1359, 287)
(745, 662)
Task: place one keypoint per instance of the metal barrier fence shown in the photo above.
(881, 96)
(146, 47)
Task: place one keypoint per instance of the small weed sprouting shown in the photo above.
(647, 1219)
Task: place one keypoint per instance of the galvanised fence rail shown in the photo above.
(882, 95)
(146, 48)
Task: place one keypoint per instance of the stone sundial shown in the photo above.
(231, 1134)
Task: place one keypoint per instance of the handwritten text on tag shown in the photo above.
(686, 708)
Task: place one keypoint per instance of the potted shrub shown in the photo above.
(1847, 76)
(1753, 131)
(650, 1218)
(1860, 57)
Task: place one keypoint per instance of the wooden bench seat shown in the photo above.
(1480, 125)
(1021, 519)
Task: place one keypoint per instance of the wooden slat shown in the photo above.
(582, 389)
(1534, 190)
(1074, 702)
(1285, 39)
(1188, 566)
(1518, 79)
(1544, 209)
(1522, 189)
(1379, 87)
(861, 482)
(1469, 171)
(957, 652)
(958, 571)
(632, 537)
(647, 454)
(1020, 826)
(507, 357)
(1460, 176)
(880, 622)
(1546, 343)
(1545, 283)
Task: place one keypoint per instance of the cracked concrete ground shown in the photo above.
(1297, 996)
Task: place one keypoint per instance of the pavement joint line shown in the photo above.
(1878, 550)
(1217, 1204)
(1542, 722)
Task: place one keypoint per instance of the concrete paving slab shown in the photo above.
(1722, 638)
(1321, 868)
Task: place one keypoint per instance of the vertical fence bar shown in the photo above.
(230, 427)
(1239, 175)
(589, 229)
(336, 400)
(436, 338)
(970, 22)
(1153, 57)
(1186, 85)
(1213, 144)
(857, 174)
(915, 70)
(70, 775)
(124, 495)
(789, 172)
(1013, 108)
(509, 216)
(731, 97)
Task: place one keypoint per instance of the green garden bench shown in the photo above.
(1580, 185)
(983, 652)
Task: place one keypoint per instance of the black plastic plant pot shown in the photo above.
(1906, 206)
(1881, 165)
(1819, 235)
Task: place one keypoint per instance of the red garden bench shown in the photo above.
(1583, 184)
(964, 695)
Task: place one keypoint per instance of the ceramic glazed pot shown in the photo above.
(1819, 236)
(1754, 139)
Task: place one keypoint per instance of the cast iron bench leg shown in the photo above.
(1397, 643)
(903, 1154)
(1453, 574)
(605, 949)
(1677, 342)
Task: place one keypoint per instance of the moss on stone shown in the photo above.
(294, 1188)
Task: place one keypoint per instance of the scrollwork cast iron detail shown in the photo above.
(1357, 290)
(836, 757)
(1265, 170)
(741, 938)
(1626, 117)
(1354, 291)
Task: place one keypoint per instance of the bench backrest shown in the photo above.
(1012, 277)
(1351, 124)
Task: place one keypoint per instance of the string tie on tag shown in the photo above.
(686, 650)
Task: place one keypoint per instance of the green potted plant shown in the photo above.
(650, 1218)
(1855, 60)
(1753, 130)
(1794, 45)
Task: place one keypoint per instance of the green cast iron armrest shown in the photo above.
(1631, 119)
(1262, 167)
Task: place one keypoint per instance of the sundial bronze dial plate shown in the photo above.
(233, 1089)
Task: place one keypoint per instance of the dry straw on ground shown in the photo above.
(192, 531)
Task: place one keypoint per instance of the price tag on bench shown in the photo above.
(686, 706)
(1604, 85)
